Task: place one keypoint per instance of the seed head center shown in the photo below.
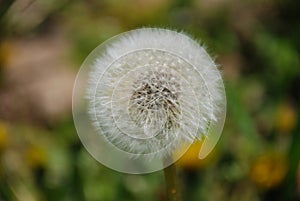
(154, 101)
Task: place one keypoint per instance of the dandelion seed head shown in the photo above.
(148, 92)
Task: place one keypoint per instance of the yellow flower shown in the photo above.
(3, 136)
(5, 52)
(269, 170)
(36, 157)
(190, 159)
(286, 118)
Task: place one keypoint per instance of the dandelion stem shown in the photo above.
(172, 186)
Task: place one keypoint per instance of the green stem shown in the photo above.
(173, 193)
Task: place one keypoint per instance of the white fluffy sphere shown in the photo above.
(142, 94)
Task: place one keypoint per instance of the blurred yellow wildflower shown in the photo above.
(3, 136)
(286, 118)
(190, 159)
(5, 52)
(36, 157)
(269, 170)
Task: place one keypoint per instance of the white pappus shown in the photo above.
(148, 91)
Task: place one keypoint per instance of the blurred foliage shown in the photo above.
(257, 44)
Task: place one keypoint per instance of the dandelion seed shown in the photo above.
(142, 94)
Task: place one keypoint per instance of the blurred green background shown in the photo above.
(256, 43)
